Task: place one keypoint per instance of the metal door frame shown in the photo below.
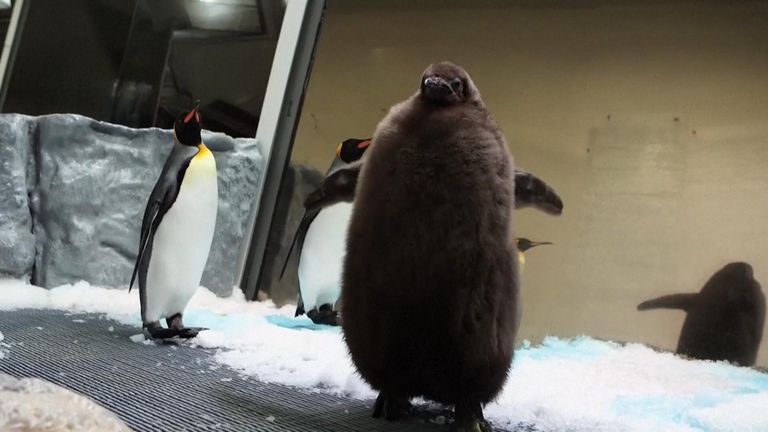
(277, 128)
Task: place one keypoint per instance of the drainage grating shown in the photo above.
(169, 387)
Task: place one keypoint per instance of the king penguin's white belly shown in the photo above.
(183, 240)
(322, 256)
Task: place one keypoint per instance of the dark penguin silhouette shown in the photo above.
(724, 320)
(177, 231)
(320, 241)
(430, 284)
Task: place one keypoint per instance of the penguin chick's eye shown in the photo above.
(456, 84)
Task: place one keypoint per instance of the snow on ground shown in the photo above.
(579, 384)
(3, 346)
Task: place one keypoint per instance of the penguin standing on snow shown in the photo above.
(177, 231)
(430, 282)
(321, 240)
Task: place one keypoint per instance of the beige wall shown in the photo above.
(650, 118)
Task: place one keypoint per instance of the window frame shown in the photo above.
(276, 130)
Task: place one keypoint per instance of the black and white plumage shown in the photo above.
(177, 231)
(321, 243)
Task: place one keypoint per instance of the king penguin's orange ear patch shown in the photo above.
(364, 144)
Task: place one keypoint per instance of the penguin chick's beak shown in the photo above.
(436, 87)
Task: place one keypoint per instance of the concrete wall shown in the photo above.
(648, 117)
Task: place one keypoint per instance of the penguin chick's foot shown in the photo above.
(154, 330)
(469, 418)
(325, 315)
(391, 407)
(174, 322)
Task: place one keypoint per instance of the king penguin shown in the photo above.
(523, 245)
(177, 231)
(321, 241)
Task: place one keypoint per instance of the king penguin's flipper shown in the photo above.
(163, 196)
(298, 243)
(298, 239)
(531, 191)
(672, 301)
(299, 306)
(299, 235)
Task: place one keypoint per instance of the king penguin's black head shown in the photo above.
(445, 84)
(187, 127)
(523, 244)
(352, 149)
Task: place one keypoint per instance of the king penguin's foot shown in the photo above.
(154, 330)
(391, 407)
(324, 315)
(469, 418)
(174, 322)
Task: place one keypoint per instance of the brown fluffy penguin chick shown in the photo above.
(430, 289)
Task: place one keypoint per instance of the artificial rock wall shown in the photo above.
(73, 191)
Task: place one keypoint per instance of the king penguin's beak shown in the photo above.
(534, 244)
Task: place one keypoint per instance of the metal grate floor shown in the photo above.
(168, 387)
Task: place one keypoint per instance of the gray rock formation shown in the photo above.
(91, 183)
(17, 243)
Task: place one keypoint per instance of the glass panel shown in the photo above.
(138, 63)
(649, 123)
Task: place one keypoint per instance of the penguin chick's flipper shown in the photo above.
(672, 301)
(337, 187)
(174, 322)
(531, 191)
(469, 418)
(391, 407)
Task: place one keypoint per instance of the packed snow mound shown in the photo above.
(578, 384)
(31, 404)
